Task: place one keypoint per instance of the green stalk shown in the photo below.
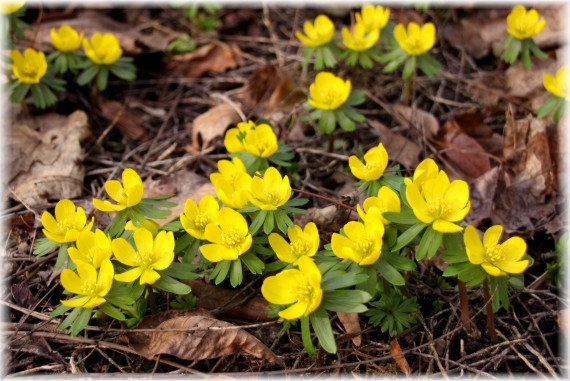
(464, 309)
(150, 298)
(489, 309)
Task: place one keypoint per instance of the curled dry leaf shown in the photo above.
(482, 196)
(215, 57)
(194, 335)
(47, 165)
(351, 324)
(423, 122)
(396, 351)
(128, 123)
(400, 149)
(212, 125)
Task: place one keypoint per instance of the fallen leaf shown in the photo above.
(351, 324)
(22, 295)
(472, 122)
(482, 196)
(212, 125)
(216, 57)
(425, 124)
(232, 303)
(128, 123)
(47, 165)
(487, 88)
(396, 351)
(524, 83)
(194, 335)
(400, 149)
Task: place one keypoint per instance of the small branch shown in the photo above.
(489, 309)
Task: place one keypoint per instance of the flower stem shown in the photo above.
(407, 93)
(150, 298)
(25, 108)
(490, 315)
(331, 143)
(464, 309)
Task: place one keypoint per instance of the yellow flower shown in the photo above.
(9, 7)
(261, 141)
(427, 169)
(150, 255)
(362, 242)
(387, 201)
(92, 247)
(557, 86)
(30, 67)
(271, 191)
(301, 287)
(89, 283)
(126, 195)
(373, 17)
(103, 49)
(66, 39)
(233, 140)
(415, 40)
(67, 223)
(304, 243)
(360, 39)
(317, 34)
(328, 92)
(496, 258)
(439, 202)
(149, 225)
(229, 240)
(376, 159)
(232, 183)
(522, 24)
(196, 217)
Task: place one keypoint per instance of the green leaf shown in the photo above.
(327, 122)
(345, 301)
(122, 301)
(170, 284)
(409, 67)
(257, 222)
(345, 123)
(341, 279)
(355, 98)
(152, 212)
(405, 217)
(221, 271)
(559, 112)
(430, 242)
(180, 271)
(19, 93)
(252, 262)
(306, 336)
(282, 220)
(44, 246)
(399, 262)
(61, 256)
(87, 75)
(125, 72)
(406, 237)
(61, 309)
(236, 273)
(268, 223)
(112, 311)
(81, 321)
(173, 226)
(102, 78)
(393, 313)
(70, 318)
(117, 225)
(548, 106)
(297, 202)
(389, 273)
(322, 327)
(38, 97)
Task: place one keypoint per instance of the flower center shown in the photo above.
(95, 252)
(101, 53)
(145, 259)
(65, 225)
(364, 244)
(231, 237)
(494, 254)
(438, 207)
(371, 165)
(88, 288)
(271, 196)
(304, 292)
(30, 70)
(331, 97)
(300, 247)
(262, 145)
(201, 220)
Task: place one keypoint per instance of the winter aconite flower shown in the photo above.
(328, 92)
(373, 17)
(362, 242)
(360, 39)
(230, 238)
(304, 243)
(103, 49)
(523, 24)
(9, 7)
(299, 287)
(271, 191)
(127, 194)
(496, 258)
(67, 224)
(387, 201)
(261, 141)
(195, 218)
(376, 159)
(557, 85)
(439, 202)
(91, 247)
(30, 67)
(90, 284)
(232, 183)
(318, 34)
(234, 138)
(150, 255)
(415, 40)
(66, 39)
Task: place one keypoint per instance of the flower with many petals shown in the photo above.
(376, 159)
(91, 284)
(328, 92)
(373, 17)
(229, 239)
(67, 224)
(30, 67)
(126, 195)
(439, 202)
(232, 183)
(360, 39)
(103, 49)
(523, 24)
(151, 254)
(195, 218)
(557, 86)
(415, 40)
(271, 191)
(304, 243)
(66, 39)
(387, 201)
(362, 242)
(496, 258)
(299, 287)
(91, 247)
(261, 141)
(318, 34)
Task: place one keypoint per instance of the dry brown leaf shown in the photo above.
(422, 121)
(351, 324)
(400, 149)
(472, 122)
(47, 165)
(215, 57)
(212, 125)
(238, 304)
(483, 195)
(128, 123)
(194, 335)
(523, 82)
(487, 88)
(396, 351)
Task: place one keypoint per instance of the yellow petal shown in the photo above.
(473, 245)
(281, 288)
(124, 252)
(281, 248)
(492, 270)
(513, 248)
(75, 302)
(444, 226)
(130, 275)
(492, 236)
(512, 267)
(295, 311)
(149, 277)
